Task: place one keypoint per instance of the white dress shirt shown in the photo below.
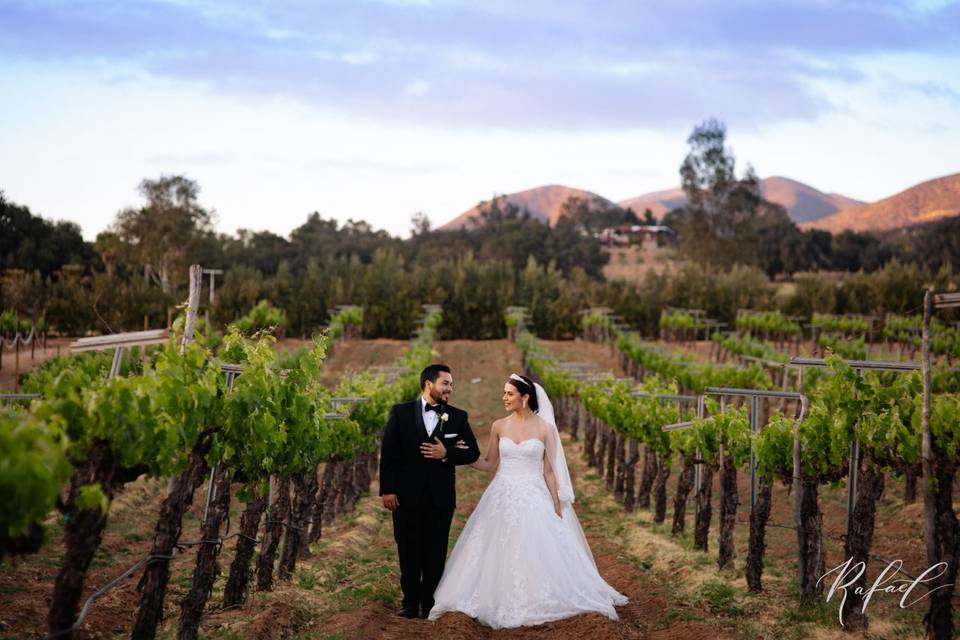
(430, 418)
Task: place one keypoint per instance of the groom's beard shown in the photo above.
(437, 397)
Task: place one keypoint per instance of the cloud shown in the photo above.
(418, 87)
(537, 64)
(936, 90)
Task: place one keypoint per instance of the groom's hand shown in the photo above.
(433, 450)
(390, 501)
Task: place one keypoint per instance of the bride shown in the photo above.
(522, 558)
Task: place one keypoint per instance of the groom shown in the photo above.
(417, 482)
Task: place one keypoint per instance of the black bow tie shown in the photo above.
(433, 407)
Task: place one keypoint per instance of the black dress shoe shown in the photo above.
(424, 613)
(407, 613)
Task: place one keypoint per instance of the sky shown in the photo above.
(378, 109)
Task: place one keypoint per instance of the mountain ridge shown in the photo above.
(543, 203)
(807, 206)
(930, 200)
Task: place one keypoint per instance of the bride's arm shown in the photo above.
(490, 461)
(550, 476)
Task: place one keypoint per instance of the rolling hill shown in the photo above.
(543, 203)
(925, 202)
(659, 202)
(802, 202)
(808, 207)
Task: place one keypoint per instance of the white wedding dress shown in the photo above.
(516, 562)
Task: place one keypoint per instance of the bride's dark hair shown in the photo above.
(525, 387)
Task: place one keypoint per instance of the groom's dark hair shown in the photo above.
(431, 373)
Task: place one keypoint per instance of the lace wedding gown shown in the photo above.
(516, 562)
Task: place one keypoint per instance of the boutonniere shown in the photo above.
(444, 417)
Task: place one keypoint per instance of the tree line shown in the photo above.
(734, 241)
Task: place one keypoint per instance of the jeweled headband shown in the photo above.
(526, 386)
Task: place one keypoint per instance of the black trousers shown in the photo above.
(422, 533)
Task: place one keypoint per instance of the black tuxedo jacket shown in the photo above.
(404, 471)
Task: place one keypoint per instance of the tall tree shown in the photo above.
(159, 236)
(707, 173)
(718, 226)
(420, 224)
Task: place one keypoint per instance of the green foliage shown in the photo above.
(9, 323)
(595, 319)
(343, 320)
(389, 296)
(263, 316)
(91, 496)
(847, 324)
(830, 423)
(902, 328)
(34, 244)
(160, 236)
(767, 324)
(688, 373)
(880, 409)
(944, 421)
(851, 349)
(889, 428)
(33, 469)
(679, 320)
(944, 339)
(513, 318)
(272, 420)
(91, 365)
(749, 346)
(720, 597)
(774, 448)
(611, 401)
(730, 428)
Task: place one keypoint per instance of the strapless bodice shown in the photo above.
(520, 458)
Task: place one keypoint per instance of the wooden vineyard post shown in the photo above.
(798, 520)
(933, 621)
(193, 304)
(754, 411)
(703, 483)
(206, 315)
(153, 583)
(940, 528)
(729, 499)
